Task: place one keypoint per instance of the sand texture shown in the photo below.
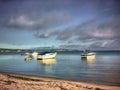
(10, 81)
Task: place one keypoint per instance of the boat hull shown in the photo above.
(88, 57)
(46, 61)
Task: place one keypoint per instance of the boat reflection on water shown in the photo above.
(46, 61)
(48, 65)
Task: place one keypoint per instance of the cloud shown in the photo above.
(103, 35)
(30, 14)
(47, 33)
(44, 20)
(93, 45)
(108, 29)
(67, 32)
(115, 44)
(69, 22)
(105, 44)
(20, 21)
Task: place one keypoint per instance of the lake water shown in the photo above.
(104, 69)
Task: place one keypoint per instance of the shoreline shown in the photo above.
(15, 81)
(59, 78)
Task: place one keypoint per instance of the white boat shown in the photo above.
(35, 54)
(88, 55)
(27, 54)
(27, 58)
(46, 55)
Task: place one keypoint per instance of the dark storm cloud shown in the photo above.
(115, 44)
(104, 35)
(30, 14)
(68, 32)
(106, 44)
(60, 35)
(108, 29)
(44, 20)
(75, 23)
(47, 34)
(39, 14)
(96, 45)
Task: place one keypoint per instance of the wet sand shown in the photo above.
(11, 81)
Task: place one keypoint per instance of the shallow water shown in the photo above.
(105, 68)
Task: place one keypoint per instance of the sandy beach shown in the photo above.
(11, 81)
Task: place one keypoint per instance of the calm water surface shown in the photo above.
(104, 69)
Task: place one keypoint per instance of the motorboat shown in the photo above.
(88, 55)
(46, 55)
(27, 54)
(28, 58)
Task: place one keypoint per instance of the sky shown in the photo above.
(68, 24)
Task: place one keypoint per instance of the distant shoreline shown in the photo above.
(49, 49)
(14, 81)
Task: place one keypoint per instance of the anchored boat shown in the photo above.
(88, 55)
(46, 55)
